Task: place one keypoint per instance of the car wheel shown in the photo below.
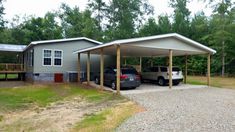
(113, 85)
(176, 83)
(161, 81)
(97, 80)
(142, 80)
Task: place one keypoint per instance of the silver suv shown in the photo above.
(161, 75)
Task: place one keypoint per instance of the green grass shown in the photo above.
(221, 82)
(24, 97)
(195, 82)
(1, 118)
(94, 120)
(9, 76)
(108, 119)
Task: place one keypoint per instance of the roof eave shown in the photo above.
(211, 51)
(62, 40)
(205, 48)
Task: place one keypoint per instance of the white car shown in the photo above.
(161, 75)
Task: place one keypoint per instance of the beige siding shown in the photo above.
(69, 61)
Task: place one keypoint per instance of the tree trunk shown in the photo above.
(223, 60)
(223, 46)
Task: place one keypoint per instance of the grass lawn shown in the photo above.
(106, 110)
(221, 82)
(41, 95)
(9, 76)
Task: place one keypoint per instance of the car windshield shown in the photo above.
(129, 71)
(163, 69)
(176, 69)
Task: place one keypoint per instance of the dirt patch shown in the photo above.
(12, 84)
(60, 116)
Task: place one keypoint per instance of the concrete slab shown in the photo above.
(148, 87)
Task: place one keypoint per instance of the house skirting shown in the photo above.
(67, 77)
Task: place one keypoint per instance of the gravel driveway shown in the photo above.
(206, 109)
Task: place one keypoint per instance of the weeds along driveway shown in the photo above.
(206, 109)
(49, 108)
(11, 84)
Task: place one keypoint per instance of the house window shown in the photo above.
(57, 58)
(47, 57)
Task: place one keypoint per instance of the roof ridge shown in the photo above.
(62, 40)
(65, 39)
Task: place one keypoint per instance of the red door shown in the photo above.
(58, 77)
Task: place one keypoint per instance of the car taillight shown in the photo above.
(123, 77)
(137, 77)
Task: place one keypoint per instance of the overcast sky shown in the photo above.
(40, 7)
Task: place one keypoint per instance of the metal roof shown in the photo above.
(12, 47)
(135, 40)
(62, 40)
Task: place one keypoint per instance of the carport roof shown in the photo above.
(146, 46)
(12, 47)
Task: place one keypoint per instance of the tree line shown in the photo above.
(119, 19)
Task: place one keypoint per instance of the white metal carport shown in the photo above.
(161, 45)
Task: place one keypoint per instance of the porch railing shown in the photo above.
(11, 67)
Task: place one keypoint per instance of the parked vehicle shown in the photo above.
(129, 78)
(161, 75)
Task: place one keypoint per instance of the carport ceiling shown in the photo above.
(11, 48)
(152, 46)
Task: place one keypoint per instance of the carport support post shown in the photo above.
(118, 69)
(140, 64)
(102, 69)
(79, 68)
(186, 69)
(88, 67)
(208, 69)
(151, 61)
(124, 61)
(170, 68)
(6, 76)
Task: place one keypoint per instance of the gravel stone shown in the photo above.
(191, 110)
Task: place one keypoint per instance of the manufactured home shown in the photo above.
(51, 60)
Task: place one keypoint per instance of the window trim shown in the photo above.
(57, 58)
(47, 57)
